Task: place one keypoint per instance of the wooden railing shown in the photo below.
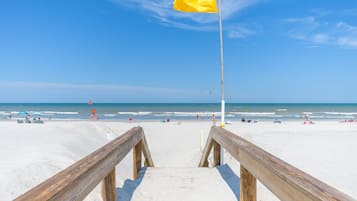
(78, 180)
(285, 181)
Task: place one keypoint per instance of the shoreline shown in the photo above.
(180, 111)
(173, 120)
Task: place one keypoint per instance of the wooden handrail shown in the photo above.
(285, 181)
(77, 181)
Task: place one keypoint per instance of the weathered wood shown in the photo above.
(206, 152)
(285, 181)
(183, 184)
(137, 159)
(148, 160)
(248, 185)
(205, 164)
(75, 182)
(216, 154)
(109, 187)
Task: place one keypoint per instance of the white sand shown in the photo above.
(31, 153)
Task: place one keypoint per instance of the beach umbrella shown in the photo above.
(23, 113)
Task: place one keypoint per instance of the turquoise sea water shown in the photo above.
(179, 111)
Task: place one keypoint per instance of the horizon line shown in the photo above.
(178, 103)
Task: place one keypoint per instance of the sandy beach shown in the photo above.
(80, 81)
(31, 153)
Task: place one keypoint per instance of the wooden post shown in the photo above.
(205, 164)
(216, 154)
(137, 159)
(109, 187)
(206, 151)
(145, 149)
(248, 185)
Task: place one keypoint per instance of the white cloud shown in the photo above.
(305, 20)
(346, 27)
(319, 31)
(348, 12)
(240, 31)
(162, 11)
(313, 38)
(347, 35)
(345, 41)
(320, 38)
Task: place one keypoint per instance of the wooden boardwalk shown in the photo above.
(189, 184)
(155, 184)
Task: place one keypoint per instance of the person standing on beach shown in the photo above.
(94, 115)
(214, 119)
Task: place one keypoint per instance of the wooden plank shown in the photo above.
(183, 184)
(248, 185)
(216, 154)
(75, 182)
(275, 184)
(206, 152)
(109, 187)
(137, 159)
(148, 160)
(285, 181)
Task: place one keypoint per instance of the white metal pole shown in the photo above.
(222, 70)
(222, 62)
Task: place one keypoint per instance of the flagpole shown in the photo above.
(222, 70)
(222, 62)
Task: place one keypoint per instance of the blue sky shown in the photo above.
(144, 51)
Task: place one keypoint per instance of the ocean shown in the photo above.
(178, 111)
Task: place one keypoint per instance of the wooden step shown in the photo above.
(186, 184)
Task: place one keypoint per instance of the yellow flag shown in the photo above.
(203, 6)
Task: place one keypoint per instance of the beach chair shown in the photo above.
(37, 121)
